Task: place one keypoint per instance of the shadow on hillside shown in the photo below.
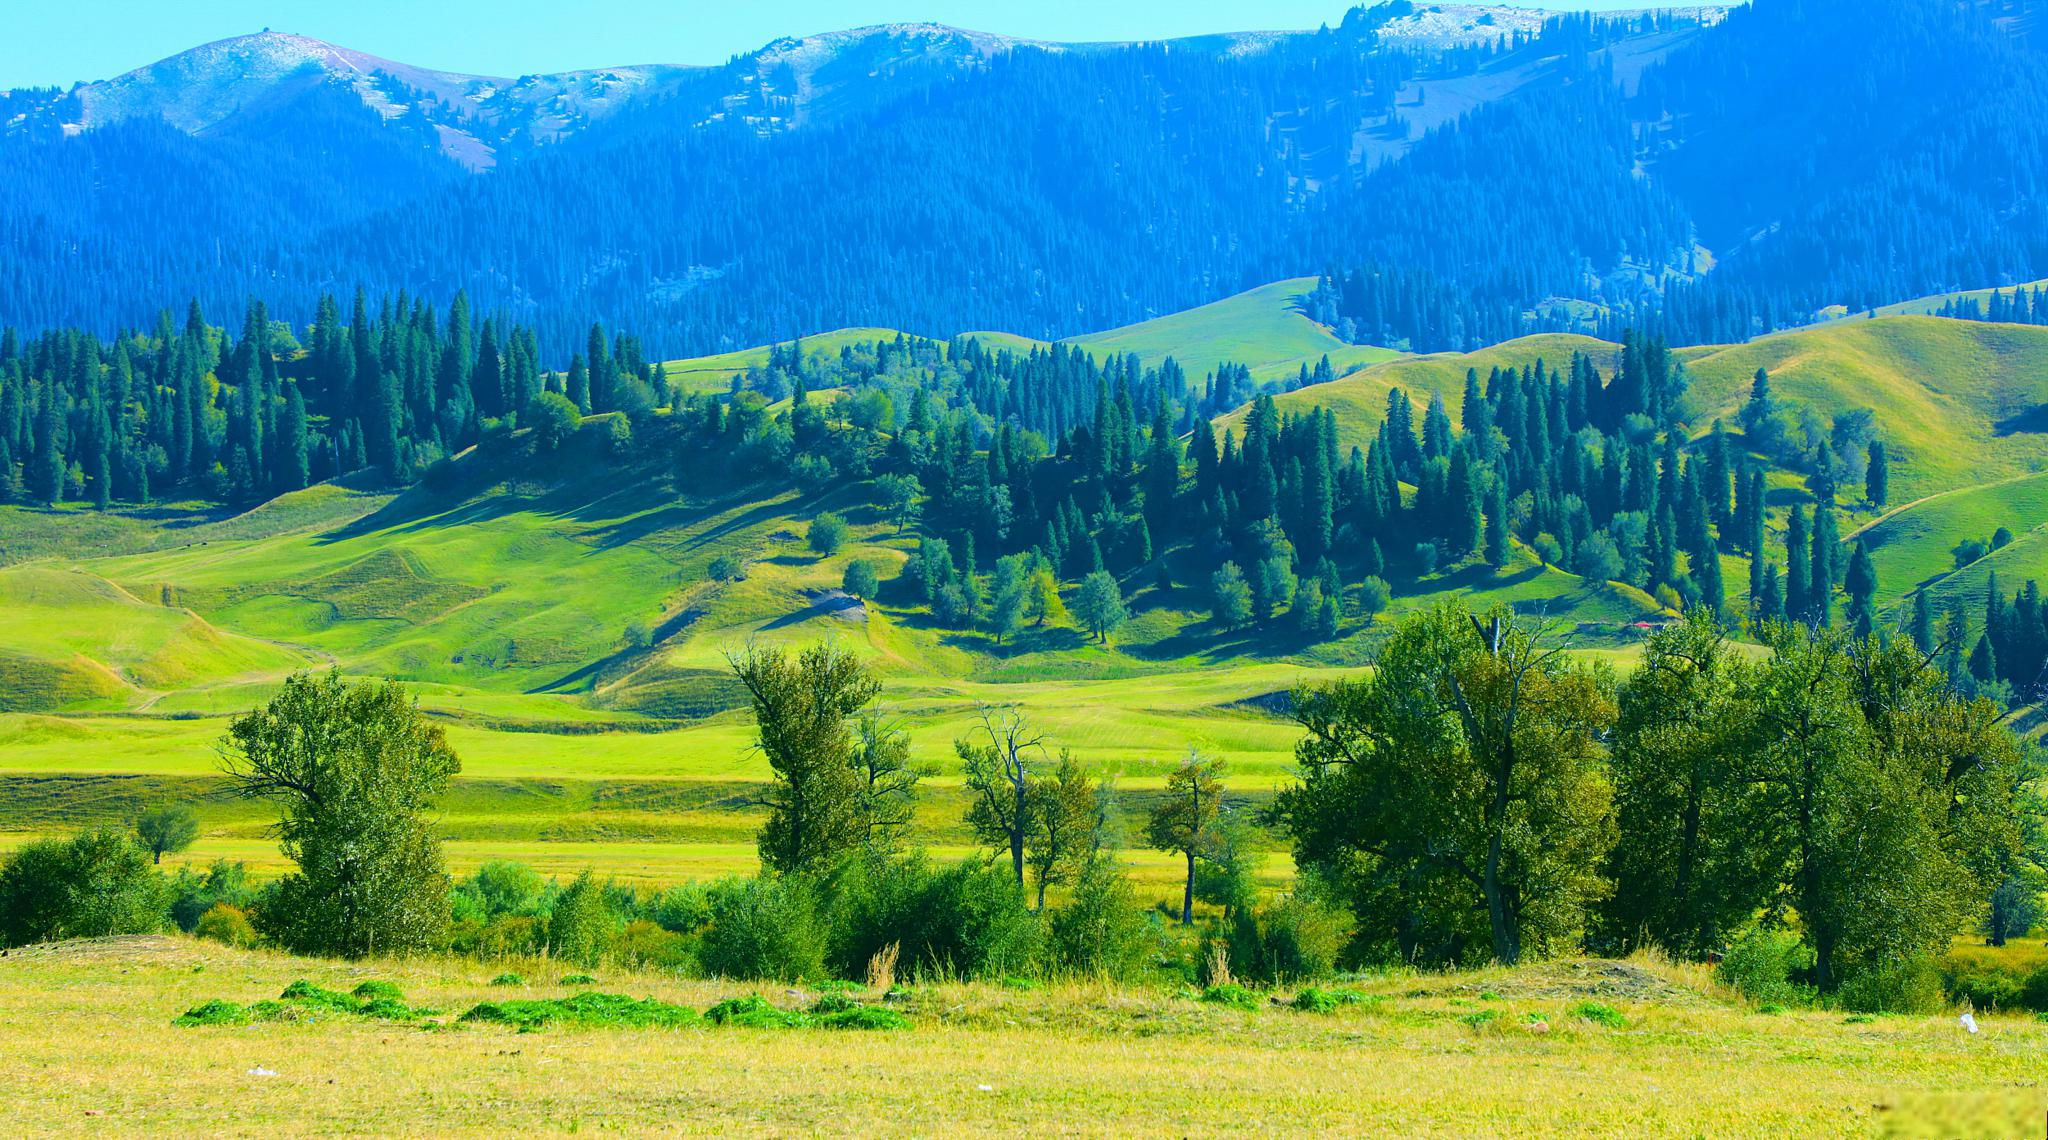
(2033, 421)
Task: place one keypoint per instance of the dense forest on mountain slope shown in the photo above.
(1017, 469)
(999, 192)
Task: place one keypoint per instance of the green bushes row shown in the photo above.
(921, 918)
(1772, 969)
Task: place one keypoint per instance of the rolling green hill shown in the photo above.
(1263, 329)
(563, 621)
(1928, 306)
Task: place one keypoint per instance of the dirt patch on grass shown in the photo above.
(1579, 978)
(127, 949)
(838, 604)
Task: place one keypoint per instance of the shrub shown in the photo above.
(1313, 1000)
(764, 928)
(508, 979)
(863, 1017)
(1762, 965)
(98, 883)
(513, 936)
(1232, 995)
(1304, 934)
(1103, 931)
(193, 893)
(861, 580)
(1989, 987)
(305, 993)
(226, 924)
(753, 1012)
(505, 887)
(377, 991)
(645, 943)
(1298, 938)
(578, 980)
(727, 568)
(581, 925)
(1911, 985)
(683, 909)
(590, 1009)
(218, 1012)
(553, 420)
(214, 1012)
(1600, 1014)
(966, 920)
(827, 534)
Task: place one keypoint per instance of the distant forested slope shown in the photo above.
(1714, 180)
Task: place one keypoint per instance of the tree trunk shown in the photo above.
(1187, 897)
(1504, 950)
(1017, 830)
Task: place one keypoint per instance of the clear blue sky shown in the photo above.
(59, 42)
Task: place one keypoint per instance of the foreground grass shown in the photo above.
(87, 1046)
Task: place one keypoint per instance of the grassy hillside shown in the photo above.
(1263, 329)
(1928, 306)
(1911, 546)
(1359, 400)
(1492, 1052)
(1960, 403)
(564, 624)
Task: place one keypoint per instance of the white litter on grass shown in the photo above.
(1969, 1022)
(260, 1071)
(985, 1088)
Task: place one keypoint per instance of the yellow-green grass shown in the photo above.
(1019, 345)
(653, 864)
(715, 373)
(73, 638)
(1927, 306)
(1359, 401)
(1263, 329)
(87, 1047)
(1956, 401)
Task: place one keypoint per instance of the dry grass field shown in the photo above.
(87, 1047)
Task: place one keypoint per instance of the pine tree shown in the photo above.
(1497, 527)
(1823, 566)
(1861, 584)
(294, 446)
(1877, 478)
(1798, 566)
(1923, 622)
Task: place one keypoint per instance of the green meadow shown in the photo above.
(570, 635)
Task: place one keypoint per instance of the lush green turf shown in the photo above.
(1912, 546)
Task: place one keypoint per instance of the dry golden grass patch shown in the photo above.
(87, 1046)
